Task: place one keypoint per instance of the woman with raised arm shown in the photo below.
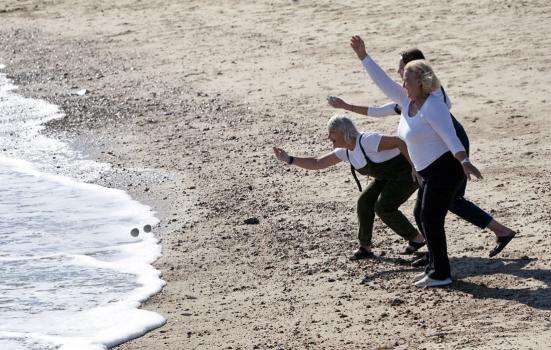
(382, 158)
(461, 206)
(435, 151)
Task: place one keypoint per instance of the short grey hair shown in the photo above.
(343, 124)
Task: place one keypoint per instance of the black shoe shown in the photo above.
(412, 247)
(422, 261)
(362, 253)
(501, 242)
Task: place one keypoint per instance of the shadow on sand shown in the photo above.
(405, 264)
(535, 295)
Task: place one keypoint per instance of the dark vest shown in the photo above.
(379, 171)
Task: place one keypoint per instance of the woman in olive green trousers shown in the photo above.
(384, 158)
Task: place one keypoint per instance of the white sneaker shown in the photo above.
(428, 282)
(419, 276)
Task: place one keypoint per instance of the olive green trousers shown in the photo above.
(383, 197)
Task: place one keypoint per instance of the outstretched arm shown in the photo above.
(372, 111)
(336, 102)
(309, 163)
(389, 87)
(385, 110)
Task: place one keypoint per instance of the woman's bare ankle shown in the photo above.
(498, 229)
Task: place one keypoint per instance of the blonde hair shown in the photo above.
(423, 71)
(343, 124)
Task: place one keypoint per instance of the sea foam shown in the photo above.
(72, 275)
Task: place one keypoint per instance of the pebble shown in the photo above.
(252, 221)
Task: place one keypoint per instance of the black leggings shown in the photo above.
(441, 181)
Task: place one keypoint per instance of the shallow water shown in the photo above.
(72, 275)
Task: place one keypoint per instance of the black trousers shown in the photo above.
(462, 207)
(467, 210)
(441, 181)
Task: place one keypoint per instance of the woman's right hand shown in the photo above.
(336, 102)
(281, 155)
(470, 169)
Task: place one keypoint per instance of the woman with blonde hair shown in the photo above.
(461, 206)
(382, 158)
(435, 152)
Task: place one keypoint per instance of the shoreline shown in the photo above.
(45, 163)
(201, 106)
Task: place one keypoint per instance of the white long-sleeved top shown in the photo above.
(385, 110)
(389, 109)
(428, 134)
(370, 143)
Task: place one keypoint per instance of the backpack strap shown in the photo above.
(444, 93)
(464, 140)
(363, 151)
(397, 109)
(352, 169)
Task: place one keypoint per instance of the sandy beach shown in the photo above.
(187, 99)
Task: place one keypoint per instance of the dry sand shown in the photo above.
(186, 100)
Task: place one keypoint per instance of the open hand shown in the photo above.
(281, 155)
(336, 102)
(358, 46)
(470, 169)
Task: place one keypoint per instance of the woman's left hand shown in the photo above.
(470, 169)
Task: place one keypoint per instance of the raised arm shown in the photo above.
(389, 87)
(309, 163)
